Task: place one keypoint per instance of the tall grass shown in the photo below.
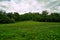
(30, 30)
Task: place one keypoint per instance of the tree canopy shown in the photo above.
(41, 17)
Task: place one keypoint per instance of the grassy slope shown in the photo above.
(30, 30)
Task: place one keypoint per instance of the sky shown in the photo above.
(23, 6)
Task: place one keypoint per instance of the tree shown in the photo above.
(44, 13)
(16, 16)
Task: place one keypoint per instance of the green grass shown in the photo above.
(30, 30)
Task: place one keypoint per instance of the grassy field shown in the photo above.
(30, 30)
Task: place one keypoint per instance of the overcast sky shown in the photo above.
(23, 6)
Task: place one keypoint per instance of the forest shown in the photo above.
(35, 16)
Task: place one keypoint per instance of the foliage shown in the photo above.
(36, 16)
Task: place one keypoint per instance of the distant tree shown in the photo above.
(16, 16)
(10, 15)
(44, 13)
(35, 16)
(4, 18)
(44, 16)
(55, 17)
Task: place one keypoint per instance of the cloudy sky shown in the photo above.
(23, 6)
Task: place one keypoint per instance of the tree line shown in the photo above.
(36, 16)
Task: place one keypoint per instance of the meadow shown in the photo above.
(30, 30)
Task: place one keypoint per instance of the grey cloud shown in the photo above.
(52, 4)
(5, 0)
(43, 0)
(31, 5)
